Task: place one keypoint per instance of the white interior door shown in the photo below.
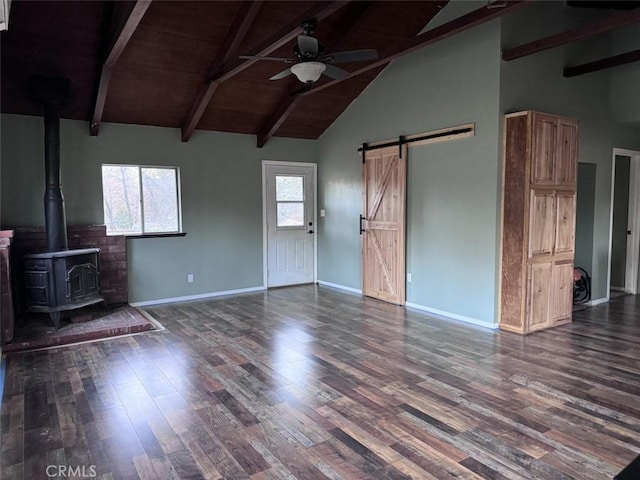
(289, 191)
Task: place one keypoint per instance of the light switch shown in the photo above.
(322, 212)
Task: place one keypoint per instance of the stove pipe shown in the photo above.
(52, 92)
(54, 215)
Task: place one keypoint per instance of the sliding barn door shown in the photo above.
(383, 247)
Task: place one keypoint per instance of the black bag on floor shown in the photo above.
(581, 286)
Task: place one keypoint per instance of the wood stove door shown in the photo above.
(82, 277)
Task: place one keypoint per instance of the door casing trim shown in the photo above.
(631, 277)
(265, 263)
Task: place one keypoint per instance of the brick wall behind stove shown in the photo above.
(113, 254)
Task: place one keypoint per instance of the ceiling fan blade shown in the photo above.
(308, 46)
(282, 74)
(335, 72)
(274, 59)
(351, 56)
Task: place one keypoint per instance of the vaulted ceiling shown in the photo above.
(177, 63)
(176, 46)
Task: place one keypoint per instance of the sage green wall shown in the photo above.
(585, 208)
(535, 82)
(452, 191)
(620, 221)
(221, 197)
(624, 90)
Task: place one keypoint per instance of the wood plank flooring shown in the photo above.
(313, 383)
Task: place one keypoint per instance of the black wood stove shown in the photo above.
(64, 280)
(58, 279)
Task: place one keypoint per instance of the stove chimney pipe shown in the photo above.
(52, 92)
(54, 214)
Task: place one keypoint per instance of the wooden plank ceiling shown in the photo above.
(177, 63)
(166, 61)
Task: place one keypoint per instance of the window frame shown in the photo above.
(142, 234)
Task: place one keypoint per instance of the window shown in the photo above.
(289, 201)
(141, 200)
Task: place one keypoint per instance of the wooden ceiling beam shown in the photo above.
(123, 32)
(465, 22)
(277, 119)
(197, 109)
(349, 25)
(606, 24)
(221, 72)
(288, 105)
(602, 64)
(608, 4)
(237, 32)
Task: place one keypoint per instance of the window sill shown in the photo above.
(155, 235)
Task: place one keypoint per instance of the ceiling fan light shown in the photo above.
(308, 72)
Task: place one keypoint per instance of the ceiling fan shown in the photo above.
(310, 63)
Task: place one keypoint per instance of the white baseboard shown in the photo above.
(197, 297)
(617, 289)
(453, 316)
(340, 287)
(597, 301)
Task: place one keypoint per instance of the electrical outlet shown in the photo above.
(408, 278)
(190, 278)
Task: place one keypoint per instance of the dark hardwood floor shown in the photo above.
(312, 383)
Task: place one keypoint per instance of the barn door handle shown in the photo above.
(361, 228)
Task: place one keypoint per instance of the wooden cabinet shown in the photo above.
(538, 221)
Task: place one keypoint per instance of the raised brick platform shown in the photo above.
(113, 255)
(39, 333)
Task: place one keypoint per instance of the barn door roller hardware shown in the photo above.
(460, 131)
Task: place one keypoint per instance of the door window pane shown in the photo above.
(290, 214)
(289, 188)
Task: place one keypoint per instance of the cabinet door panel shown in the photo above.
(545, 137)
(540, 275)
(566, 158)
(541, 223)
(565, 222)
(562, 292)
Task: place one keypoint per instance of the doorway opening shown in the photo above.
(624, 237)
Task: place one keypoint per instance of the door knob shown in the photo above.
(310, 232)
